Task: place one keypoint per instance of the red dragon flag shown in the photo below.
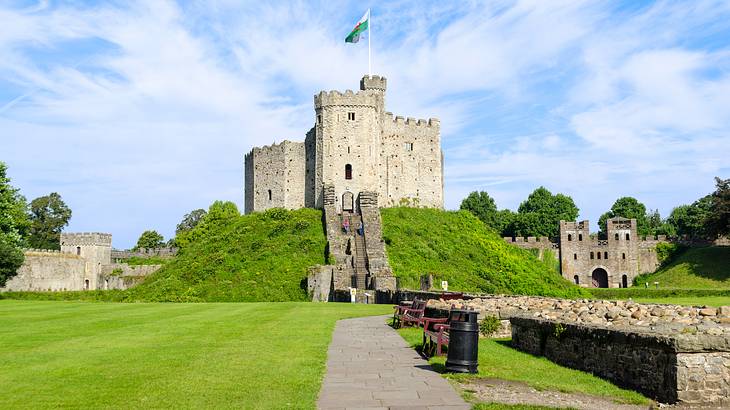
(360, 27)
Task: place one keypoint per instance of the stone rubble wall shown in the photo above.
(666, 368)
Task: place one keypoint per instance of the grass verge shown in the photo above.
(110, 355)
(498, 360)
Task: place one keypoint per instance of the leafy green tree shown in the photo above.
(482, 206)
(630, 208)
(220, 212)
(718, 221)
(190, 220)
(48, 216)
(150, 240)
(691, 220)
(14, 226)
(541, 213)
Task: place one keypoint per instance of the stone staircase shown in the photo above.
(360, 262)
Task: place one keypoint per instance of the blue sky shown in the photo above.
(139, 112)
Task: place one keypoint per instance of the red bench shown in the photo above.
(436, 333)
(405, 315)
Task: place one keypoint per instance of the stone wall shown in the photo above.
(275, 177)
(119, 255)
(687, 368)
(123, 276)
(411, 162)
(45, 270)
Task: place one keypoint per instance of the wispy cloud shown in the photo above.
(137, 113)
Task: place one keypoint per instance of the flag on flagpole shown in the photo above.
(360, 27)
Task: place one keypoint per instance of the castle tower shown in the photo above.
(347, 137)
(354, 146)
(95, 248)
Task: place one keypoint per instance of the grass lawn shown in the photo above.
(498, 360)
(109, 355)
(695, 268)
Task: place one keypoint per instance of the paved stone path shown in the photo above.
(369, 366)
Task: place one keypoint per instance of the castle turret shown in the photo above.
(94, 247)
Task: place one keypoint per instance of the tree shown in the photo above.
(13, 227)
(542, 212)
(190, 221)
(149, 240)
(48, 216)
(691, 220)
(482, 206)
(718, 221)
(629, 208)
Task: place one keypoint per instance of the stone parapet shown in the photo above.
(684, 368)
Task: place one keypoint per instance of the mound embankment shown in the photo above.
(457, 247)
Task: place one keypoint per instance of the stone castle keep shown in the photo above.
(355, 146)
(86, 261)
(587, 261)
(356, 159)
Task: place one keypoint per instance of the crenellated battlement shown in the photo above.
(86, 238)
(273, 148)
(349, 98)
(410, 121)
(373, 82)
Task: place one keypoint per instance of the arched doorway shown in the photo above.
(576, 279)
(624, 281)
(600, 278)
(348, 201)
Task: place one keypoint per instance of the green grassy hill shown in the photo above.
(264, 257)
(459, 248)
(695, 268)
(256, 257)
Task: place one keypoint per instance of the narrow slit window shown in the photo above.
(348, 171)
(605, 255)
(409, 146)
(628, 237)
(351, 116)
(623, 256)
(570, 237)
(269, 195)
(580, 236)
(591, 255)
(575, 256)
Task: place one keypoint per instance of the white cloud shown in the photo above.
(153, 118)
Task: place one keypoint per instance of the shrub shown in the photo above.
(489, 325)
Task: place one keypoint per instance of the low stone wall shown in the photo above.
(688, 368)
(123, 276)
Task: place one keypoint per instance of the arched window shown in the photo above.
(348, 171)
(580, 236)
(570, 237)
(628, 238)
(605, 255)
(575, 256)
(598, 255)
(577, 281)
(591, 255)
(78, 250)
(615, 237)
(623, 256)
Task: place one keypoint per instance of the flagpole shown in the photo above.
(370, 30)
